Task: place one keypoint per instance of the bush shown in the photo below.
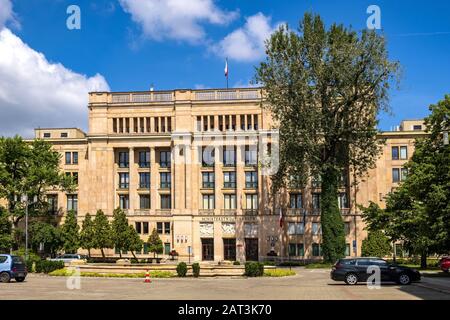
(254, 269)
(46, 266)
(278, 273)
(153, 274)
(182, 269)
(236, 263)
(196, 270)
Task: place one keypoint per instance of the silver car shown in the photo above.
(68, 258)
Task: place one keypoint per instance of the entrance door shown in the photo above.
(208, 249)
(251, 249)
(229, 249)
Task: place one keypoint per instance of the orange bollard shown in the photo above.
(147, 277)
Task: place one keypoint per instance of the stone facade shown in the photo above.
(152, 153)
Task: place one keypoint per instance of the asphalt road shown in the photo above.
(307, 284)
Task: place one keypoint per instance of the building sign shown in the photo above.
(229, 219)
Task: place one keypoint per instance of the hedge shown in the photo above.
(182, 269)
(254, 269)
(46, 266)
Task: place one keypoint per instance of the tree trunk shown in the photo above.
(333, 235)
(89, 253)
(103, 253)
(423, 259)
(134, 256)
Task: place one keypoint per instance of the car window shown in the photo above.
(3, 259)
(348, 262)
(364, 262)
(17, 260)
(380, 263)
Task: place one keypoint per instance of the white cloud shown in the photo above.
(247, 43)
(7, 14)
(176, 19)
(37, 93)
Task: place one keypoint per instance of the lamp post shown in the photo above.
(24, 199)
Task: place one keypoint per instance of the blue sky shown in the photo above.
(131, 47)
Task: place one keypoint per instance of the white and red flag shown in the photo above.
(226, 68)
(280, 220)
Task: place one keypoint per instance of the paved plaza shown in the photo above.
(306, 285)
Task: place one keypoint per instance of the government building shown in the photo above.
(195, 165)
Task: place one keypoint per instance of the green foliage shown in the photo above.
(102, 233)
(279, 273)
(120, 232)
(236, 263)
(182, 269)
(196, 269)
(155, 244)
(325, 88)
(70, 233)
(49, 235)
(135, 243)
(376, 245)
(254, 269)
(5, 231)
(87, 234)
(153, 274)
(32, 258)
(46, 266)
(323, 265)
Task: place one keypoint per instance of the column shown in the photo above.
(153, 180)
(132, 192)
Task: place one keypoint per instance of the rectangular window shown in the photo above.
(208, 180)
(166, 202)
(74, 157)
(229, 180)
(316, 181)
(404, 152)
(164, 159)
(68, 158)
(395, 175)
(144, 201)
(296, 200)
(138, 227)
(347, 228)
(229, 249)
(395, 153)
(145, 226)
(72, 202)
(229, 156)
(296, 228)
(47, 135)
(124, 202)
(144, 180)
(52, 201)
(316, 229)
(251, 201)
(296, 250)
(75, 177)
(404, 174)
(316, 250)
(251, 156)
(166, 227)
(208, 201)
(124, 180)
(165, 180)
(144, 159)
(251, 180)
(124, 159)
(347, 249)
(229, 201)
(64, 135)
(316, 201)
(159, 227)
(343, 201)
(417, 128)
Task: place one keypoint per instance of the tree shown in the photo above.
(102, 233)
(135, 243)
(325, 89)
(47, 235)
(376, 245)
(70, 233)
(155, 244)
(87, 235)
(120, 231)
(29, 169)
(5, 231)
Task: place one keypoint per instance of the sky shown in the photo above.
(47, 69)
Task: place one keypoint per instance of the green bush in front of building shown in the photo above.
(46, 266)
(254, 269)
(182, 269)
(196, 270)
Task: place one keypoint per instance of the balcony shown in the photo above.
(234, 94)
(229, 185)
(228, 212)
(142, 97)
(140, 212)
(315, 211)
(208, 185)
(165, 165)
(206, 212)
(163, 212)
(250, 212)
(251, 185)
(295, 211)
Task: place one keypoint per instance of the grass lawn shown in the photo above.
(153, 274)
(319, 266)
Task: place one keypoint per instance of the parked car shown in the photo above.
(444, 264)
(67, 258)
(12, 267)
(354, 270)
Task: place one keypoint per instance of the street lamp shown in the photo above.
(24, 200)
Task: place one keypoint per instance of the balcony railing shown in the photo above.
(250, 212)
(315, 211)
(208, 185)
(228, 212)
(163, 212)
(236, 94)
(229, 185)
(142, 97)
(295, 211)
(206, 212)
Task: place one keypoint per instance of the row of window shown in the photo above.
(146, 249)
(229, 156)
(144, 159)
(71, 204)
(399, 153)
(62, 135)
(227, 122)
(161, 227)
(295, 228)
(229, 202)
(145, 202)
(71, 158)
(298, 249)
(142, 125)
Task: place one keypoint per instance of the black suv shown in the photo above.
(356, 270)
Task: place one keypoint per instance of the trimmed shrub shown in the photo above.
(196, 269)
(182, 269)
(278, 273)
(46, 266)
(254, 269)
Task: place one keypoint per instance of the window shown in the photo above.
(316, 181)
(316, 250)
(145, 225)
(144, 201)
(159, 227)
(399, 174)
(251, 201)
(404, 174)
(347, 228)
(395, 153)
(52, 201)
(251, 180)
(316, 229)
(144, 180)
(296, 250)
(229, 156)
(72, 202)
(208, 201)
(74, 157)
(166, 202)
(144, 159)
(229, 202)
(295, 201)
(138, 227)
(64, 135)
(124, 160)
(208, 180)
(400, 153)
(124, 180)
(124, 202)
(347, 249)
(251, 156)
(417, 128)
(229, 249)
(166, 227)
(68, 158)
(296, 228)
(343, 201)
(208, 156)
(404, 152)
(229, 180)
(47, 135)
(316, 200)
(164, 159)
(165, 180)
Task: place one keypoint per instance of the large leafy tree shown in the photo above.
(29, 168)
(120, 231)
(70, 232)
(325, 88)
(87, 234)
(102, 233)
(5, 231)
(155, 244)
(46, 234)
(376, 245)
(135, 242)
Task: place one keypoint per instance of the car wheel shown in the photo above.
(20, 279)
(404, 279)
(351, 279)
(5, 277)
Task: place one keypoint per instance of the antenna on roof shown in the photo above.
(152, 87)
